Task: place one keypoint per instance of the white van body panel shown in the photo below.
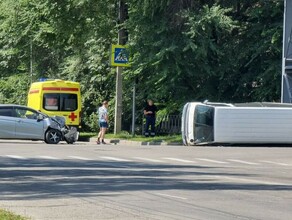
(188, 123)
(252, 125)
(184, 123)
(267, 123)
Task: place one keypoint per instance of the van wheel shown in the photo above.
(53, 136)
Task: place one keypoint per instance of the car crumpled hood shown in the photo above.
(56, 122)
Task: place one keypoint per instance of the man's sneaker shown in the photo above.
(97, 142)
(103, 142)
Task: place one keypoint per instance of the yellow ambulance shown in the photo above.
(57, 97)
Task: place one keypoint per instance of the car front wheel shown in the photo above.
(53, 136)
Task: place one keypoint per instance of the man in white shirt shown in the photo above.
(102, 122)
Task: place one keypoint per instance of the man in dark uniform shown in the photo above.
(150, 114)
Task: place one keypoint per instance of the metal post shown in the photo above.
(119, 77)
(134, 109)
(286, 93)
(30, 63)
(118, 104)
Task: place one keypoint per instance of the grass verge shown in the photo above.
(6, 215)
(168, 138)
(127, 136)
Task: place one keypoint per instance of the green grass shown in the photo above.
(168, 139)
(5, 215)
(126, 136)
(87, 134)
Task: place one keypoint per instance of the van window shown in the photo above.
(203, 124)
(60, 102)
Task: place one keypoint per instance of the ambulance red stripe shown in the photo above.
(60, 89)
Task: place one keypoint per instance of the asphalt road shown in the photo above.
(87, 181)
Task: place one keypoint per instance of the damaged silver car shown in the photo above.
(21, 122)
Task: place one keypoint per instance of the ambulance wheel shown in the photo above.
(53, 136)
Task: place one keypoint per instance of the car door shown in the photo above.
(27, 125)
(7, 122)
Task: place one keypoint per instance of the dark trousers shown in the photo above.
(150, 121)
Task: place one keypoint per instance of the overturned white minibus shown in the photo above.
(243, 123)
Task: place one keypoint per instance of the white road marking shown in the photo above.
(179, 160)
(115, 159)
(275, 163)
(242, 161)
(79, 158)
(48, 157)
(16, 157)
(171, 196)
(148, 159)
(212, 161)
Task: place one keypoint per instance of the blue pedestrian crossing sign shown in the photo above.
(119, 56)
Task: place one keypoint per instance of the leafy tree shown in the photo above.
(179, 50)
(258, 52)
(14, 89)
(62, 39)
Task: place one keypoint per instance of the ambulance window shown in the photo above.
(51, 102)
(60, 102)
(69, 102)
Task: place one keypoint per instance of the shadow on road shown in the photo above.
(34, 179)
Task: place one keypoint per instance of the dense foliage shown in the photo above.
(186, 50)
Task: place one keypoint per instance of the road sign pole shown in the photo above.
(118, 105)
(119, 78)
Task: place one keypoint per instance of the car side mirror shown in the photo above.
(40, 117)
